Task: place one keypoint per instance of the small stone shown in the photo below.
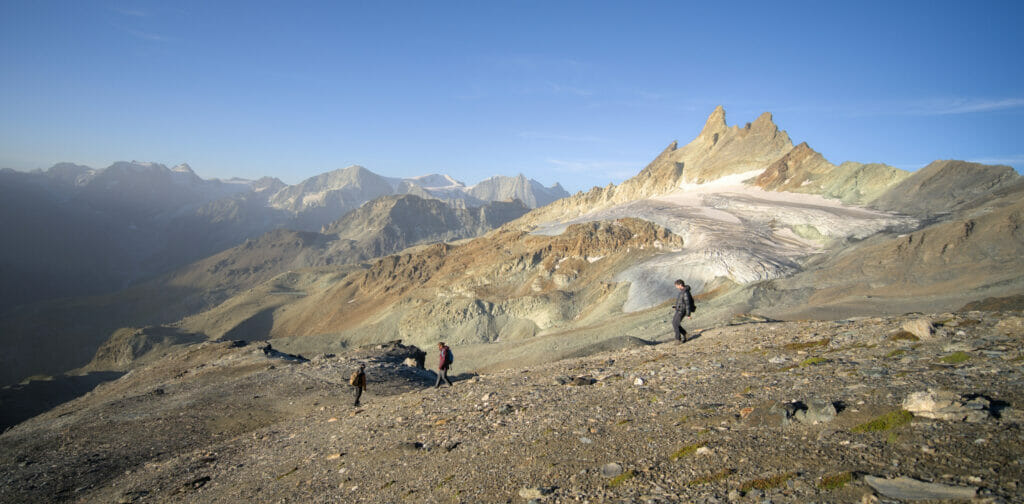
(334, 456)
(534, 492)
(410, 446)
(611, 470)
(639, 382)
(586, 440)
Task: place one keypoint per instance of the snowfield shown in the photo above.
(736, 231)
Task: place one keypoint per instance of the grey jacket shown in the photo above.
(683, 300)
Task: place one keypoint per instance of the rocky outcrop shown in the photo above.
(803, 170)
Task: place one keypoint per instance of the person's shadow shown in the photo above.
(454, 378)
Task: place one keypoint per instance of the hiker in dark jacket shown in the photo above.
(682, 307)
(444, 362)
(358, 380)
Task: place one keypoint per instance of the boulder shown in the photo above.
(912, 489)
(922, 328)
(945, 405)
(816, 411)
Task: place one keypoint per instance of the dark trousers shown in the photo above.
(359, 393)
(677, 326)
(442, 374)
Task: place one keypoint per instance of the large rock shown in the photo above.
(815, 411)
(922, 328)
(912, 489)
(946, 405)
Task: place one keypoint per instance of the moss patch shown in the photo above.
(885, 422)
(711, 478)
(686, 451)
(904, 336)
(896, 353)
(622, 478)
(767, 483)
(835, 481)
(808, 344)
(813, 361)
(956, 358)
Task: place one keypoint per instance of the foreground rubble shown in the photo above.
(847, 411)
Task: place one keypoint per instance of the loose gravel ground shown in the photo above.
(757, 412)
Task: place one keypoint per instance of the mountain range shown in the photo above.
(755, 224)
(73, 230)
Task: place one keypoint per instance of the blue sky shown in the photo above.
(583, 93)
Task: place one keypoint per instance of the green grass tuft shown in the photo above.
(835, 481)
(711, 478)
(896, 353)
(956, 358)
(686, 451)
(622, 478)
(767, 483)
(885, 422)
(904, 336)
(808, 344)
(813, 361)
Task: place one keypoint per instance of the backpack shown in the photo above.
(693, 307)
(449, 356)
(354, 379)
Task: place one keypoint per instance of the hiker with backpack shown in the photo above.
(684, 308)
(444, 362)
(358, 380)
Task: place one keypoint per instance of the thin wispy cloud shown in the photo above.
(153, 37)
(536, 135)
(563, 89)
(130, 12)
(1014, 160)
(613, 170)
(935, 107)
(964, 106)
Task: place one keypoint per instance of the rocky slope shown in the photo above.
(978, 255)
(869, 410)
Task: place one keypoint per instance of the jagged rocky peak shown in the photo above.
(721, 150)
(714, 126)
